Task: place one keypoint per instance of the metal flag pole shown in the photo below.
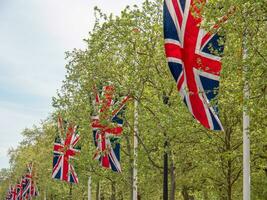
(135, 193)
(165, 173)
(165, 160)
(89, 188)
(246, 140)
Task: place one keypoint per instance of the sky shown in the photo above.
(34, 36)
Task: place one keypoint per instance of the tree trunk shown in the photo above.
(166, 151)
(229, 165)
(98, 191)
(173, 182)
(186, 195)
(102, 197)
(165, 172)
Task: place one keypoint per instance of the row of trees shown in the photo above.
(128, 50)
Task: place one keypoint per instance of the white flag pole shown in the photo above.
(89, 188)
(136, 104)
(135, 193)
(246, 140)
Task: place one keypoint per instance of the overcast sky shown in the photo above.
(34, 34)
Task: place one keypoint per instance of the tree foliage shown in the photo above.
(128, 50)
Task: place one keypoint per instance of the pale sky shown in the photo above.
(34, 34)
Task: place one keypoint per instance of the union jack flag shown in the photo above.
(25, 189)
(107, 128)
(64, 150)
(18, 191)
(26, 185)
(33, 191)
(14, 193)
(194, 59)
(29, 189)
(9, 193)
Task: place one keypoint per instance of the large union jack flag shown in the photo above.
(64, 150)
(194, 59)
(107, 128)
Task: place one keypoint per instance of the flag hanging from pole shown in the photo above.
(107, 128)
(26, 188)
(194, 59)
(33, 191)
(64, 150)
(14, 192)
(19, 191)
(25, 183)
(9, 193)
(29, 188)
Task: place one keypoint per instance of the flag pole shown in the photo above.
(89, 188)
(165, 171)
(136, 115)
(165, 158)
(45, 195)
(246, 140)
(135, 193)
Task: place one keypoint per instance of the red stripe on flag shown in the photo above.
(173, 50)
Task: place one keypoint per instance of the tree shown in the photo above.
(128, 50)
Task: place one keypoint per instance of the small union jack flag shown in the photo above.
(24, 184)
(19, 191)
(194, 59)
(34, 190)
(64, 150)
(107, 128)
(9, 193)
(14, 193)
(29, 189)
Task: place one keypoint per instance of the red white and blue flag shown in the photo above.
(107, 128)
(14, 193)
(28, 187)
(25, 189)
(64, 150)
(19, 191)
(194, 59)
(24, 186)
(9, 193)
(33, 191)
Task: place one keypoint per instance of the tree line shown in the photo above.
(129, 51)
